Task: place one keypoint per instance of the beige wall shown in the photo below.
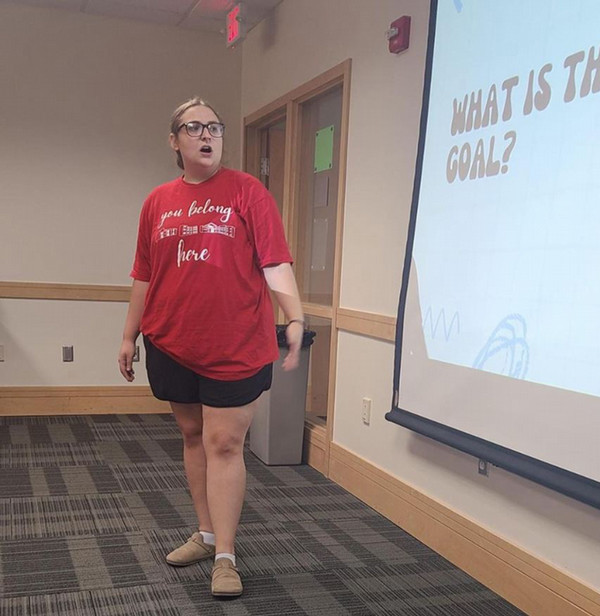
(384, 116)
(33, 332)
(84, 117)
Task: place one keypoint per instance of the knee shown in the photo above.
(192, 435)
(223, 445)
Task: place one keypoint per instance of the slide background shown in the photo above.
(526, 242)
(505, 267)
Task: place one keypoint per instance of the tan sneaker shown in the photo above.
(226, 581)
(192, 551)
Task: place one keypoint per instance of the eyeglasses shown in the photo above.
(196, 129)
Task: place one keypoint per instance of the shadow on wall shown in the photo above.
(519, 492)
(269, 29)
(18, 357)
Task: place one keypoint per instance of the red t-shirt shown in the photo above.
(202, 248)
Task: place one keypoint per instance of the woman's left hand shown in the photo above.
(293, 334)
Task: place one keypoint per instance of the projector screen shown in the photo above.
(498, 339)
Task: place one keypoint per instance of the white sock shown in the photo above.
(209, 538)
(225, 555)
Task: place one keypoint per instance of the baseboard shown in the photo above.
(532, 585)
(79, 400)
(315, 447)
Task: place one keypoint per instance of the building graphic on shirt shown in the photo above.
(212, 227)
(171, 232)
(188, 230)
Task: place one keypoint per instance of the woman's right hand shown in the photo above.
(126, 354)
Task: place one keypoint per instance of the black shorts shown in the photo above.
(173, 382)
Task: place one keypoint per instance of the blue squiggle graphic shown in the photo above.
(441, 319)
(508, 345)
(459, 5)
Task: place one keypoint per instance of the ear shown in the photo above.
(173, 142)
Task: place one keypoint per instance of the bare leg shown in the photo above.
(224, 433)
(189, 420)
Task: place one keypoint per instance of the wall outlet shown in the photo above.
(1, 352)
(366, 411)
(136, 355)
(67, 353)
(483, 467)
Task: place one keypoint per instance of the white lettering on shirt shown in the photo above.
(184, 255)
(169, 214)
(208, 208)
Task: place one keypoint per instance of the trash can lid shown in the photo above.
(307, 338)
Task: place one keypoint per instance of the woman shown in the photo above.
(210, 246)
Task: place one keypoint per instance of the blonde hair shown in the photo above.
(195, 101)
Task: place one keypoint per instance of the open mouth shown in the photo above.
(206, 149)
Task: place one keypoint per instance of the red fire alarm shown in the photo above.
(236, 30)
(399, 34)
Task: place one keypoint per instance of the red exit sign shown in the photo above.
(235, 25)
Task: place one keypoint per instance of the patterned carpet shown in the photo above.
(89, 506)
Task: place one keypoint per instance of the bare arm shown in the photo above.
(132, 328)
(281, 281)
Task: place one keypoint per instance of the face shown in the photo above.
(201, 155)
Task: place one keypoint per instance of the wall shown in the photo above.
(384, 118)
(84, 118)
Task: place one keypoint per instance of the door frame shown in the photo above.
(318, 437)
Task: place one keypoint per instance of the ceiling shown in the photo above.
(206, 15)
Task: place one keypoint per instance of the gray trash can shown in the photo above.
(277, 430)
